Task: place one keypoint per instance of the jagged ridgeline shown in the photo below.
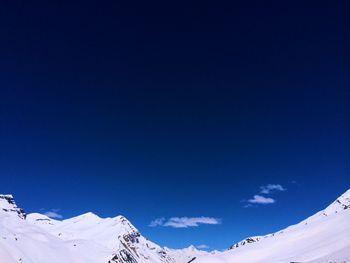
(9, 205)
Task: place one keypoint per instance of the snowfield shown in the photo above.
(322, 238)
(36, 238)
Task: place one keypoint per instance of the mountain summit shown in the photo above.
(8, 205)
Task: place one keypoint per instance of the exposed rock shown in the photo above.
(8, 204)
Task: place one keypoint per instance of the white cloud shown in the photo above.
(202, 246)
(53, 213)
(259, 199)
(157, 222)
(184, 222)
(267, 189)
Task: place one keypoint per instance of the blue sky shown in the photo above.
(201, 124)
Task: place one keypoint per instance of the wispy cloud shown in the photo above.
(157, 222)
(184, 222)
(269, 188)
(202, 246)
(53, 213)
(259, 199)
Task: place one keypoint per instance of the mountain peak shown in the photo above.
(8, 205)
(90, 215)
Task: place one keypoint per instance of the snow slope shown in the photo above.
(323, 237)
(22, 242)
(187, 254)
(36, 238)
(115, 234)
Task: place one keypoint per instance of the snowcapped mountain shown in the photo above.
(36, 238)
(321, 238)
(116, 234)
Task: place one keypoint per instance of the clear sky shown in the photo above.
(159, 111)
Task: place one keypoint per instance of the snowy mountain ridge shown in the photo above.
(36, 238)
(321, 238)
(340, 204)
(85, 238)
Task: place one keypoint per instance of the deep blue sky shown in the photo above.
(165, 109)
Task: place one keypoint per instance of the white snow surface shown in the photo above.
(321, 238)
(87, 238)
(36, 238)
(187, 254)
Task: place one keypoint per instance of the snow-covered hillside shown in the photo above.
(87, 238)
(187, 254)
(36, 238)
(322, 238)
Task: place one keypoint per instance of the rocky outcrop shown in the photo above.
(245, 241)
(8, 204)
(123, 256)
(135, 248)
